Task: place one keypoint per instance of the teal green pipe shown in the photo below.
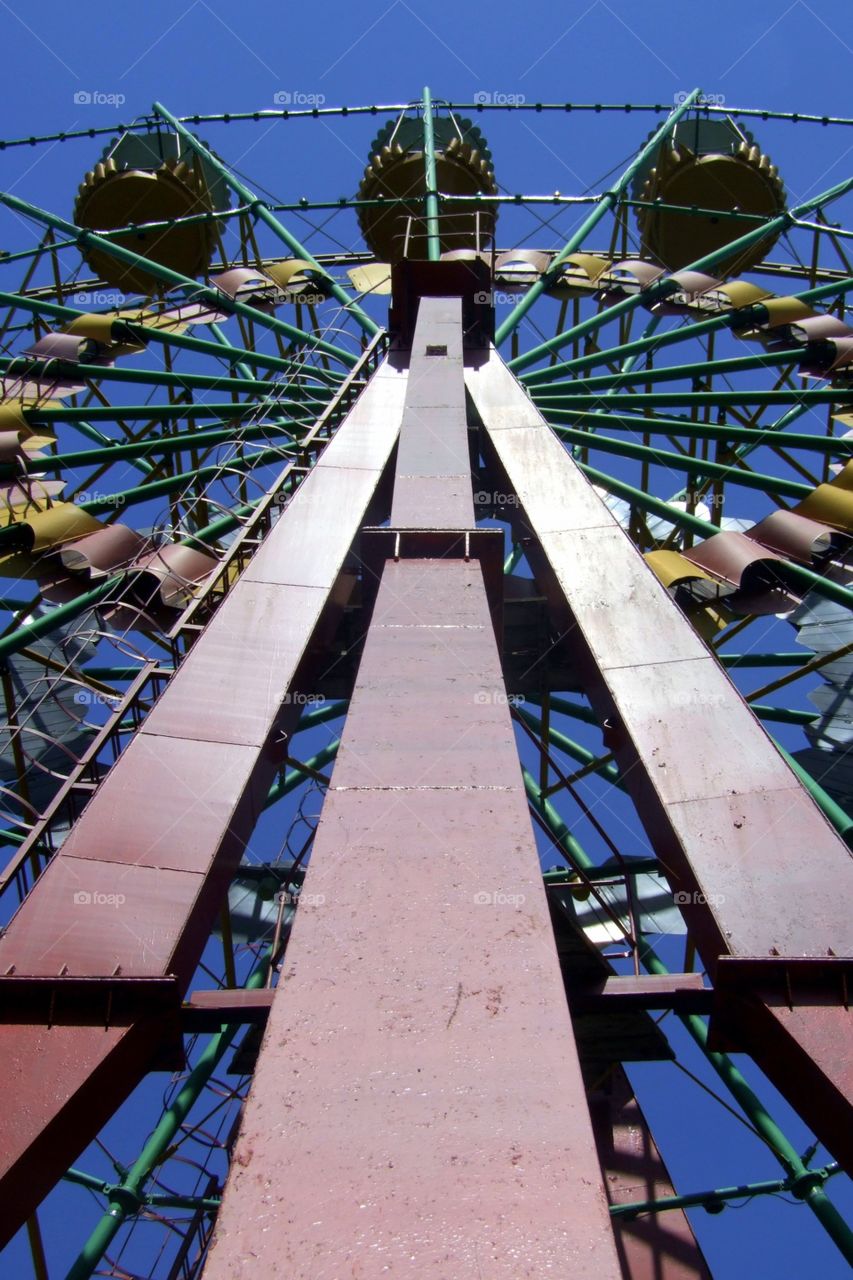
(196, 291)
(128, 1195)
(715, 1200)
(160, 446)
(260, 208)
(653, 399)
(725, 434)
(737, 318)
(575, 241)
(698, 369)
(815, 1197)
(831, 810)
(174, 483)
(657, 506)
(129, 330)
(699, 467)
(662, 288)
(431, 196)
(26, 367)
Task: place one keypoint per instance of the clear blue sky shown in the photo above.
(77, 66)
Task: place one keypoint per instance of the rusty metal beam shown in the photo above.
(134, 889)
(655, 1246)
(760, 872)
(419, 1068)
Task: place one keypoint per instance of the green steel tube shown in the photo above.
(559, 829)
(733, 319)
(231, 411)
(129, 1192)
(570, 748)
(753, 436)
(173, 483)
(62, 613)
(198, 292)
(44, 369)
(782, 715)
(222, 349)
(683, 462)
(262, 210)
(716, 1199)
(308, 113)
(295, 777)
(431, 195)
(662, 288)
(798, 659)
(514, 557)
(608, 200)
(657, 506)
(699, 369)
(641, 399)
(830, 808)
(160, 446)
(816, 1198)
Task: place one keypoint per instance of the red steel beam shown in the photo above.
(762, 873)
(655, 1246)
(418, 1108)
(134, 889)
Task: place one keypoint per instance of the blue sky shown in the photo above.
(78, 67)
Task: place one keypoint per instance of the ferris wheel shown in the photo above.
(181, 374)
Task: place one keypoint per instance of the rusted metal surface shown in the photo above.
(760, 871)
(134, 889)
(432, 486)
(681, 992)
(418, 1067)
(656, 1246)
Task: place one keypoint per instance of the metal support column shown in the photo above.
(419, 1076)
(765, 881)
